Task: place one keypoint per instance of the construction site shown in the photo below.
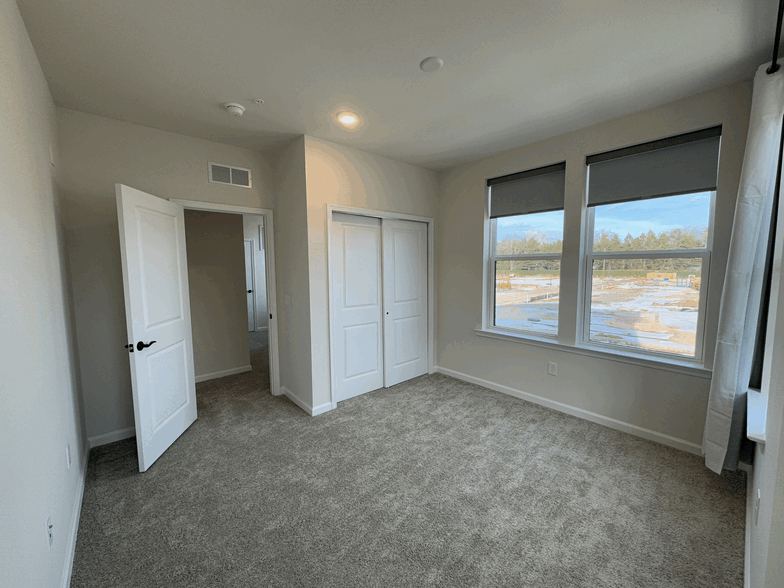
(654, 311)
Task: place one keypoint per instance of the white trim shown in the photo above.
(269, 252)
(648, 254)
(215, 207)
(272, 302)
(223, 373)
(611, 354)
(527, 256)
(609, 422)
(111, 437)
(377, 213)
(312, 411)
(262, 328)
(321, 409)
(300, 403)
(431, 287)
(252, 284)
(76, 513)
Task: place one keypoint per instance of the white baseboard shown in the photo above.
(612, 423)
(76, 512)
(321, 409)
(111, 437)
(221, 374)
(312, 411)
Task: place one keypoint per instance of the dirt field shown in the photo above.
(633, 312)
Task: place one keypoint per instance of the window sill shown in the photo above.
(756, 415)
(678, 366)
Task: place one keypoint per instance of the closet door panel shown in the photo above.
(405, 300)
(357, 340)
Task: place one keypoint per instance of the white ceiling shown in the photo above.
(515, 71)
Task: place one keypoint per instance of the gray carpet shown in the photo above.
(433, 482)
(258, 342)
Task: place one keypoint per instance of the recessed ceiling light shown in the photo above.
(347, 118)
(258, 101)
(431, 64)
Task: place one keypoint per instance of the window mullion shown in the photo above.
(648, 254)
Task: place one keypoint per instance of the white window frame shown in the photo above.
(491, 283)
(589, 256)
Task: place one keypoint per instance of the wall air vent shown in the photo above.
(228, 174)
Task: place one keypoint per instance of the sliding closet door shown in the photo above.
(405, 300)
(357, 339)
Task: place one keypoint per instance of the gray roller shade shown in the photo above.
(537, 190)
(679, 165)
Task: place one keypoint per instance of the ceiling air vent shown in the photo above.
(227, 174)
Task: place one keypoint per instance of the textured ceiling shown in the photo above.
(515, 71)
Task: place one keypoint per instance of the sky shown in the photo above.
(656, 214)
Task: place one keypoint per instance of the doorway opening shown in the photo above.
(235, 284)
(257, 293)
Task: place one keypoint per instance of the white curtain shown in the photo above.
(740, 302)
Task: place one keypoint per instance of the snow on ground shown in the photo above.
(538, 281)
(623, 312)
(540, 317)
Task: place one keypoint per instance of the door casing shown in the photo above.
(269, 258)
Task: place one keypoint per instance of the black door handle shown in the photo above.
(142, 345)
(250, 291)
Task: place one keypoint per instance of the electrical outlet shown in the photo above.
(49, 526)
(68, 454)
(552, 368)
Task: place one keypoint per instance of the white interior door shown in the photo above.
(405, 300)
(357, 339)
(158, 317)
(249, 284)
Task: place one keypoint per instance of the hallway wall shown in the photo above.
(216, 280)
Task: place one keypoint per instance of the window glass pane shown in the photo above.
(673, 222)
(540, 232)
(649, 304)
(526, 295)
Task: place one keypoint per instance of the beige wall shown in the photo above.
(216, 280)
(348, 177)
(253, 228)
(665, 402)
(40, 406)
(97, 152)
(291, 263)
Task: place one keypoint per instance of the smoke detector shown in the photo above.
(234, 108)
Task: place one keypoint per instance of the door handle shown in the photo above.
(250, 291)
(142, 345)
